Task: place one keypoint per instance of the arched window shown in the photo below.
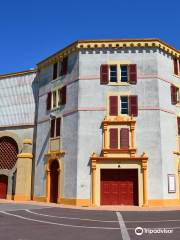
(8, 152)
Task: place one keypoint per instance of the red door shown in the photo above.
(3, 186)
(119, 187)
(54, 181)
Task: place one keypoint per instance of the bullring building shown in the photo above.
(97, 123)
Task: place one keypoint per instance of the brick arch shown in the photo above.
(8, 152)
(15, 136)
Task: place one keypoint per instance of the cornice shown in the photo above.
(116, 43)
(25, 155)
(18, 73)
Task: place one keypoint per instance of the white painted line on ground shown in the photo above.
(89, 219)
(21, 209)
(57, 224)
(70, 218)
(124, 232)
(148, 221)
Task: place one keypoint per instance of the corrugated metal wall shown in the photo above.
(17, 100)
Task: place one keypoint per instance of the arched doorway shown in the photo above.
(54, 176)
(3, 186)
(8, 159)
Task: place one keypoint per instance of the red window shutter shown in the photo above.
(178, 124)
(124, 138)
(113, 105)
(55, 66)
(132, 73)
(175, 66)
(49, 101)
(133, 106)
(63, 95)
(58, 126)
(173, 94)
(113, 138)
(64, 66)
(52, 128)
(104, 74)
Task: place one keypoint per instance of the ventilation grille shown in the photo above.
(8, 153)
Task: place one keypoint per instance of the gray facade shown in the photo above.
(82, 116)
(87, 107)
(18, 94)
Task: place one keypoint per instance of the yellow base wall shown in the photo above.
(163, 202)
(40, 198)
(66, 201)
(22, 198)
(9, 197)
(74, 201)
(23, 179)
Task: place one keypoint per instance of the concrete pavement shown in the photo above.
(31, 221)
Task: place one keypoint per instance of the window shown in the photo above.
(124, 73)
(48, 103)
(113, 105)
(104, 74)
(52, 128)
(58, 127)
(59, 97)
(62, 95)
(55, 69)
(178, 124)
(178, 131)
(124, 138)
(123, 105)
(60, 68)
(113, 141)
(54, 99)
(176, 64)
(113, 73)
(64, 66)
(119, 138)
(175, 95)
(118, 73)
(55, 127)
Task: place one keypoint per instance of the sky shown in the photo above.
(32, 30)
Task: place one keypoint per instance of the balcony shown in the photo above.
(117, 152)
(55, 144)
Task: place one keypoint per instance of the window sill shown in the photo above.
(129, 150)
(57, 79)
(177, 76)
(119, 116)
(54, 144)
(54, 138)
(57, 108)
(119, 84)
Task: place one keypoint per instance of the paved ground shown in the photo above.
(36, 222)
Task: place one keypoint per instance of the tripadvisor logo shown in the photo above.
(139, 230)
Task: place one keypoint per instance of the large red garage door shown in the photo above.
(119, 187)
(3, 186)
